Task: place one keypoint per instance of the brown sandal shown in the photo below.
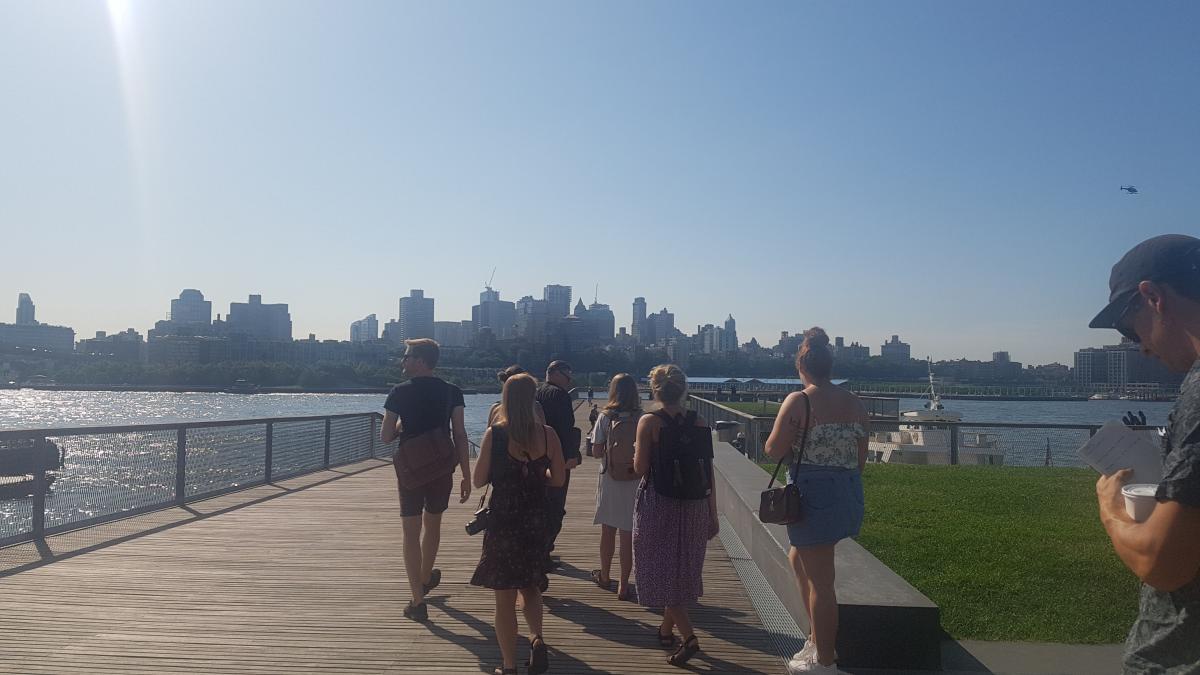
(598, 579)
(686, 651)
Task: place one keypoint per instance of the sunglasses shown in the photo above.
(1126, 329)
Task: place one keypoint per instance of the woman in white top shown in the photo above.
(616, 492)
(828, 470)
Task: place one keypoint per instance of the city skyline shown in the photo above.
(941, 171)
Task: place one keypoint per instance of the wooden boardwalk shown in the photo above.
(307, 576)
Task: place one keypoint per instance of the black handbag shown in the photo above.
(781, 505)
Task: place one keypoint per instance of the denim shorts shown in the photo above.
(832, 505)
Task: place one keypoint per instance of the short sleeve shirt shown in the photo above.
(1166, 636)
(423, 404)
(600, 432)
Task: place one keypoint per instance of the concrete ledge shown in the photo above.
(883, 621)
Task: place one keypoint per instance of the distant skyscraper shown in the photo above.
(637, 326)
(265, 322)
(729, 339)
(601, 321)
(416, 316)
(558, 300)
(895, 350)
(499, 316)
(451, 333)
(365, 329)
(658, 328)
(25, 310)
(532, 319)
(191, 307)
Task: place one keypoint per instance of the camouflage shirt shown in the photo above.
(1166, 636)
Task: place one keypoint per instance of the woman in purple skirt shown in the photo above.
(670, 535)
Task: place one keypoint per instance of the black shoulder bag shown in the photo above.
(781, 505)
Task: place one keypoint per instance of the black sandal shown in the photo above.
(598, 579)
(419, 613)
(666, 641)
(539, 659)
(686, 651)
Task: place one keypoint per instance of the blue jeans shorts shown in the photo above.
(832, 504)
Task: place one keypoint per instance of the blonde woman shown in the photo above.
(670, 534)
(613, 439)
(520, 458)
(829, 474)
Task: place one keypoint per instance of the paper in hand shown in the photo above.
(1116, 446)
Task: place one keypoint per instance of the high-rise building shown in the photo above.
(191, 308)
(500, 316)
(601, 321)
(658, 328)
(265, 322)
(558, 300)
(391, 333)
(452, 333)
(895, 350)
(637, 326)
(532, 317)
(416, 316)
(365, 329)
(25, 310)
(729, 340)
(1121, 367)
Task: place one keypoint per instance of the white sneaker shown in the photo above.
(805, 653)
(809, 664)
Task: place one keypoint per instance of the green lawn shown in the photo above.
(1007, 553)
(759, 408)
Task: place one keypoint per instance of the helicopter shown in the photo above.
(1130, 189)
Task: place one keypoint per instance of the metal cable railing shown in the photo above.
(1007, 443)
(53, 480)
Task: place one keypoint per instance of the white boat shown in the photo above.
(922, 438)
(1099, 397)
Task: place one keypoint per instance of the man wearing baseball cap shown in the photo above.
(1154, 300)
(560, 416)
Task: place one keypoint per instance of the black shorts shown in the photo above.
(433, 497)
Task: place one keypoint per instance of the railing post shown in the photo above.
(181, 465)
(328, 425)
(374, 432)
(954, 444)
(39, 491)
(269, 458)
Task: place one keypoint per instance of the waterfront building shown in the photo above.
(127, 345)
(788, 344)
(191, 308)
(1121, 368)
(637, 326)
(452, 333)
(679, 350)
(25, 310)
(416, 316)
(729, 340)
(365, 329)
(598, 320)
(262, 321)
(498, 315)
(391, 333)
(532, 318)
(850, 352)
(558, 300)
(895, 350)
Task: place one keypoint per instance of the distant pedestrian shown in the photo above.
(613, 440)
(520, 459)
(1154, 301)
(560, 416)
(675, 513)
(420, 412)
(503, 376)
(824, 429)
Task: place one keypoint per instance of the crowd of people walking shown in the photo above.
(655, 494)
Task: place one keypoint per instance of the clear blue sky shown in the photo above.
(948, 171)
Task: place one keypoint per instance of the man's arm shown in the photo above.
(390, 429)
(459, 429)
(1163, 551)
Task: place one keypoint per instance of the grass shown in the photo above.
(759, 408)
(1007, 553)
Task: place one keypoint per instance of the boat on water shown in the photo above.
(923, 437)
(1100, 397)
(242, 387)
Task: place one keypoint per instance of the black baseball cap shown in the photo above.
(558, 365)
(1160, 258)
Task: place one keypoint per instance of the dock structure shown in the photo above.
(306, 575)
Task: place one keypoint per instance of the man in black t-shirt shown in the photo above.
(422, 404)
(1154, 301)
(560, 416)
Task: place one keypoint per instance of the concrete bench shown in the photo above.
(883, 621)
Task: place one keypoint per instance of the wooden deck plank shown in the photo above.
(313, 581)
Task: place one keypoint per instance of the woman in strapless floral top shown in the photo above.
(828, 471)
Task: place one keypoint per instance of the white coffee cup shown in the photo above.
(1139, 500)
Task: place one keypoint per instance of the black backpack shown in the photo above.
(682, 465)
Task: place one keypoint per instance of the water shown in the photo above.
(35, 409)
(1049, 412)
